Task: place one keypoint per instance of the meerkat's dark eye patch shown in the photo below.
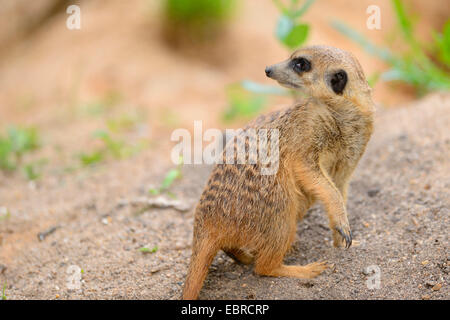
(338, 81)
(301, 65)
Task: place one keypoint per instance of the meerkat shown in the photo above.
(253, 217)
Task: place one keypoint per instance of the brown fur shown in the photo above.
(253, 217)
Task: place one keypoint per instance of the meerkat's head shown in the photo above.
(325, 73)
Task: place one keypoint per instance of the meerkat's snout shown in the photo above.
(283, 73)
(268, 72)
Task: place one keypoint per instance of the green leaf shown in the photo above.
(154, 191)
(91, 158)
(402, 18)
(23, 140)
(414, 67)
(5, 155)
(284, 27)
(382, 53)
(3, 292)
(303, 9)
(30, 172)
(443, 44)
(297, 36)
(147, 250)
(280, 6)
(170, 177)
(18, 142)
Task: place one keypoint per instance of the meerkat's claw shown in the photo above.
(346, 236)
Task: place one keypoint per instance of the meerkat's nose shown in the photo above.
(268, 71)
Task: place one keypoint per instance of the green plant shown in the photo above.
(17, 142)
(248, 98)
(4, 292)
(442, 44)
(197, 18)
(148, 250)
(117, 148)
(111, 147)
(91, 158)
(289, 31)
(33, 169)
(169, 179)
(413, 66)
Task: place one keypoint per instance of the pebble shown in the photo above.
(430, 283)
(437, 287)
(230, 275)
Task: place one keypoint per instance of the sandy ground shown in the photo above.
(398, 208)
(398, 203)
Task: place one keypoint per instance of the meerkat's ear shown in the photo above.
(338, 80)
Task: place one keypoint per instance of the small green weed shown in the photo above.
(169, 179)
(4, 292)
(113, 147)
(148, 250)
(18, 142)
(33, 170)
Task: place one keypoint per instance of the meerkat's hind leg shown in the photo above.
(308, 271)
(269, 262)
(239, 255)
(272, 269)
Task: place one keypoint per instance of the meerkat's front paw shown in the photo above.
(341, 234)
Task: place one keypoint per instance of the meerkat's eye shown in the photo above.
(301, 65)
(338, 81)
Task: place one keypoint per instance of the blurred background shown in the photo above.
(84, 113)
(138, 69)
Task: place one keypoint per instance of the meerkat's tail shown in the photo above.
(203, 252)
